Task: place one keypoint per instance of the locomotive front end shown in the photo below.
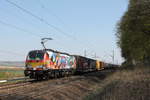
(35, 63)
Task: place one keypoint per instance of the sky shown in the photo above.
(76, 26)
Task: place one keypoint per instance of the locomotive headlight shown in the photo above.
(39, 66)
(29, 72)
(34, 68)
(44, 68)
(28, 66)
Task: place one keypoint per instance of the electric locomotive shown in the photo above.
(48, 63)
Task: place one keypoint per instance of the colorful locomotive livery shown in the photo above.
(47, 63)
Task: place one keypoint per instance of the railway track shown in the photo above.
(37, 92)
(39, 86)
(36, 89)
(15, 83)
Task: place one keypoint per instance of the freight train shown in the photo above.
(47, 63)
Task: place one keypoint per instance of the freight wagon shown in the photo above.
(47, 63)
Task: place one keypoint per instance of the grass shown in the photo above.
(10, 72)
(126, 84)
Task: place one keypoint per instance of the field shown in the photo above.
(7, 72)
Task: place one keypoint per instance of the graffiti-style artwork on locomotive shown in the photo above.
(49, 60)
(61, 61)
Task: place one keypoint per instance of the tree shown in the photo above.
(133, 32)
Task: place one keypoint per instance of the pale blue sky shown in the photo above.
(91, 23)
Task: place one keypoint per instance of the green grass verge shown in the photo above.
(10, 73)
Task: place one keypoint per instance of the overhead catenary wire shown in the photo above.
(18, 28)
(24, 30)
(61, 21)
(50, 12)
(11, 52)
(44, 21)
(39, 18)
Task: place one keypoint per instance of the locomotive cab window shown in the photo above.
(35, 55)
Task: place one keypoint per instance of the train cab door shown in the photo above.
(47, 61)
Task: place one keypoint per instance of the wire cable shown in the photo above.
(39, 18)
(44, 21)
(26, 31)
(18, 28)
(62, 22)
(54, 15)
(10, 52)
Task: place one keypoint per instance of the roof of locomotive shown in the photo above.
(44, 50)
(55, 51)
(37, 51)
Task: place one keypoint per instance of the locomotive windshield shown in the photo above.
(36, 55)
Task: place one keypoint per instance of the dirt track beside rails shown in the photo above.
(67, 88)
